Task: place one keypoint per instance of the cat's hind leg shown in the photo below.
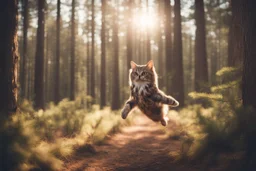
(165, 119)
(129, 105)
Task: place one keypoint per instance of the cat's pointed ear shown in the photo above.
(150, 64)
(133, 65)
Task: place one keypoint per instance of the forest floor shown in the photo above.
(144, 145)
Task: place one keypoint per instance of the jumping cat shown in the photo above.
(145, 94)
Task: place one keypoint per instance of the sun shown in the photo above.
(144, 21)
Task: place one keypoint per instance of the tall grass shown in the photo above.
(42, 140)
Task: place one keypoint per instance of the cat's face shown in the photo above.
(142, 73)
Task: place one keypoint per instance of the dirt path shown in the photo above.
(142, 146)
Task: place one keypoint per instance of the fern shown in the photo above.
(196, 95)
(225, 86)
(227, 71)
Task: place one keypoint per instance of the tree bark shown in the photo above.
(92, 86)
(190, 68)
(23, 74)
(88, 66)
(160, 57)
(129, 35)
(249, 79)
(57, 59)
(235, 37)
(103, 58)
(249, 66)
(168, 45)
(88, 50)
(178, 86)
(47, 69)
(39, 59)
(8, 55)
(72, 57)
(115, 85)
(148, 57)
(214, 62)
(201, 69)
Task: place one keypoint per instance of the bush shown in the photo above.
(216, 129)
(41, 140)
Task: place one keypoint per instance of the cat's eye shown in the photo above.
(143, 73)
(135, 73)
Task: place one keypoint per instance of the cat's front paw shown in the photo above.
(125, 111)
(164, 121)
(172, 102)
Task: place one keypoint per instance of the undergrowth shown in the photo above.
(43, 140)
(224, 127)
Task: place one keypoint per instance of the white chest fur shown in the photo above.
(140, 87)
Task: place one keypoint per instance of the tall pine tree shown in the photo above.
(72, 57)
(9, 57)
(168, 44)
(235, 37)
(201, 69)
(115, 84)
(249, 67)
(129, 35)
(92, 72)
(103, 58)
(23, 73)
(57, 59)
(178, 82)
(39, 59)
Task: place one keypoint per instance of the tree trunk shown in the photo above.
(178, 86)
(190, 68)
(46, 65)
(148, 57)
(57, 59)
(8, 55)
(115, 83)
(88, 51)
(201, 69)
(249, 67)
(214, 61)
(160, 57)
(88, 66)
(39, 59)
(139, 46)
(249, 79)
(129, 35)
(31, 66)
(235, 35)
(72, 57)
(103, 58)
(168, 45)
(219, 37)
(23, 73)
(92, 92)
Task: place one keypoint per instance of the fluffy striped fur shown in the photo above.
(145, 94)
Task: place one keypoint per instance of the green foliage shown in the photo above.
(226, 91)
(223, 87)
(21, 146)
(42, 139)
(196, 95)
(226, 71)
(220, 128)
